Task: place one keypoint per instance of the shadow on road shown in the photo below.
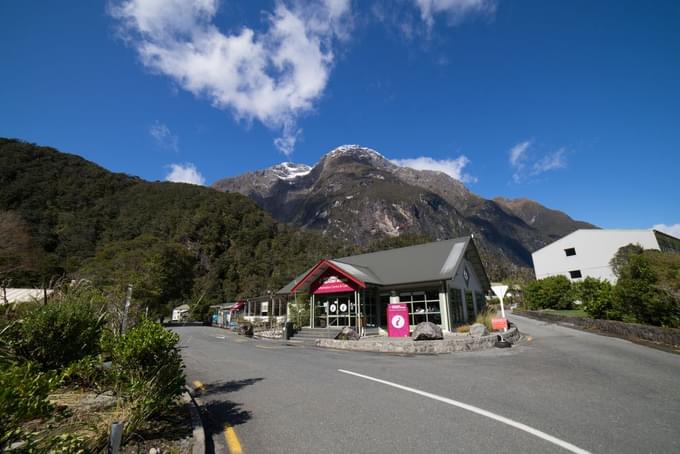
(218, 413)
(227, 386)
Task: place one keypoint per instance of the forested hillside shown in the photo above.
(173, 242)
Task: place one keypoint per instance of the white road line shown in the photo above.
(477, 410)
(220, 337)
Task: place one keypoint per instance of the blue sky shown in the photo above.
(573, 104)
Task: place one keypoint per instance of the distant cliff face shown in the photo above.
(356, 195)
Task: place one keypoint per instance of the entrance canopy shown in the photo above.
(327, 277)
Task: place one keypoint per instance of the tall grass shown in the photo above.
(485, 317)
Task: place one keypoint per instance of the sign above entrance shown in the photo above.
(330, 282)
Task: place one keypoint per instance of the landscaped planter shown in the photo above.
(450, 344)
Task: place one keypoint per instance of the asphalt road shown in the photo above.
(589, 392)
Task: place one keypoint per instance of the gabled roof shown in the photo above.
(422, 263)
(321, 267)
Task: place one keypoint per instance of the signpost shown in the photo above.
(397, 320)
(500, 290)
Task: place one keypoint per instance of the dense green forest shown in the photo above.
(67, 217)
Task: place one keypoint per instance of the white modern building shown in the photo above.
(180, 313)
(24, 295)
(587, 252)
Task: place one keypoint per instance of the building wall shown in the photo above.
(593, 251)
(458, 284)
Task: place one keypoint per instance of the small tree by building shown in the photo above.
(554, 292)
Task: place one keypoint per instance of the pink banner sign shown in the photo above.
(331, 283)
(397, 320)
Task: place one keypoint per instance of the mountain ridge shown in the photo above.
(357, 195)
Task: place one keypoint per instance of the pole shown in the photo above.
(128, 297)
(116, 437)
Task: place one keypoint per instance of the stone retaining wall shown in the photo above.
(459, 343)
(668, 337)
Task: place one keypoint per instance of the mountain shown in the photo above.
(92, 223)
(357, 196)
(555, 224)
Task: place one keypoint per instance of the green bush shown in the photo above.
(596, 296)
(648, 289)
(84, 373)
(554, 292)
(299, 313)
(23, 396)
(148, 370)
(61, 332)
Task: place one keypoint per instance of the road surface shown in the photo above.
(561, 391)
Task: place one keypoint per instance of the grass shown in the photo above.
(567, 312)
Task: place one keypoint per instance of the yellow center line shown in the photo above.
(198, 386)
(231, 438)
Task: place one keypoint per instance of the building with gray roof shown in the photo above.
(442, 282)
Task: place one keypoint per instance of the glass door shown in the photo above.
(335, 310)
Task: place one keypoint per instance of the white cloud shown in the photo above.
(673, 230)
(456, 10)
(163, 137)
(272, 76)
(551, 161)
(518, 152)
(451, 167)
(185, 173)
(526, 164)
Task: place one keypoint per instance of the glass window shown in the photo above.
(575, 274)
(423, 306)
(456, 306)
(470, 305)
(570, 251)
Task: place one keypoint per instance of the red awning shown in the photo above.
(320, 268)
(237, 306)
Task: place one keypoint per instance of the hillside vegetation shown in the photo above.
(173, 242)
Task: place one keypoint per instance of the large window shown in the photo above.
(481, 301)
(423, 306)
(456, 307)
(470, 305)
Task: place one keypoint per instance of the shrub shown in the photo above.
(299, 313)
(554, 292)
(86, 373)
(647, 289)
(148, 370)
(23, 396)
(596, 296)
(61, 332)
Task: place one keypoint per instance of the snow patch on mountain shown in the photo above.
(355, 150)
(290, 170)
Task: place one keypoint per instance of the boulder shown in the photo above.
(347, 333)
(478, 330)
(427, 331)
(245, 329)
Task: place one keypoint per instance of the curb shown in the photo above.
(199, 431)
